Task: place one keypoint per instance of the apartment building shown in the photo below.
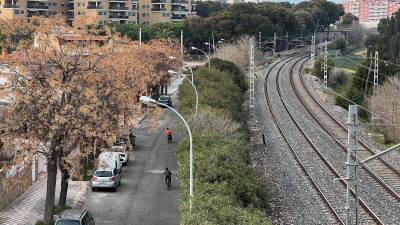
(101, 11)
(371, 10)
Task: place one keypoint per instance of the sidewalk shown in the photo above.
(174, 86)
(29, 207)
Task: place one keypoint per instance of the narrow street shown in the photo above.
(142, 198)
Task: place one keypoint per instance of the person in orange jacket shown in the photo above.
(168, 132)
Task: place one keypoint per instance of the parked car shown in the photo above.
(121, 150)
(106, 178)
(75, 217)
(108, 159)
(165, 99)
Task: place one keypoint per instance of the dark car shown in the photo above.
(75, 217)
(165, 99)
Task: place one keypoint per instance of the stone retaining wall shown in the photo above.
(12, 187)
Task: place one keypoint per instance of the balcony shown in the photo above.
(36, 13)
(179, 2)
(94, 7)
(37, 6)
(179, 10)
(11, 6)
(158, 9)
(158, 1)
(118, 17)
(177, 18)
(118, 1)
(115, 8)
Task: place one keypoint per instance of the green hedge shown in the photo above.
(227, 190)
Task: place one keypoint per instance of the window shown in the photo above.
(133, 13)
(62, 4)
(79, 13)
(79, 4)
(104, 13)
(100, 13)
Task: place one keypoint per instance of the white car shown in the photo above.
(106, 178)
(123, 154)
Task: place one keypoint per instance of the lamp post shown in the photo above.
(215, 49)
(194, 48)
(148, 100)
(185, 65)
(195, 90)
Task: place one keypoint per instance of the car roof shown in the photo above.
(165, 96)
(72, 214)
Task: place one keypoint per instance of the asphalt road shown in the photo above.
(142, 198)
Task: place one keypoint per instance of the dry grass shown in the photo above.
(237, 53)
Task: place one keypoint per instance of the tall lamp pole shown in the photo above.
(215, 49)
(195, 90)
(147, 100)
(208, 58)
(185, 64)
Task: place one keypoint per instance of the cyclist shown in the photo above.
(167, 174)
(168, 132)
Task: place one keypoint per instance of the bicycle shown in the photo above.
(168, 183)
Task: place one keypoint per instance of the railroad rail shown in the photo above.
(309, 157)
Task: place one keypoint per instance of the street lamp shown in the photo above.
(185, 64)
(194, 48)
(195, 90)
(148, 100)
(215, 49)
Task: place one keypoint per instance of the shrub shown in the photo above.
(228, 191)
(342, 102)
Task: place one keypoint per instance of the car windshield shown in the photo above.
(164, 98)
(117, 149)
(68, 222)
(103, 174)
(121, 140)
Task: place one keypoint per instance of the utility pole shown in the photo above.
(274, 47)
(325, 65)
(287, 41)
(140, 36)
(352, 168)
(182, 44)
(375, 89)
(259, 39)
(312, 50)
(376, 72)
(212, 34)
(251, 74)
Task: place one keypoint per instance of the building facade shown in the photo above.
(371, 10)
(101, 11)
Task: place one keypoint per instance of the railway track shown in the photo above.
(384, 173)
(316, 166)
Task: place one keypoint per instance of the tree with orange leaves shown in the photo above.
(68, 94)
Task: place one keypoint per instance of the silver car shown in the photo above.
(106, 178)
(75, 217)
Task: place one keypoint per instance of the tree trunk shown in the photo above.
(64, 186)
(327, 34)
(51, 186)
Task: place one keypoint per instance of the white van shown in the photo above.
(110, 160)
